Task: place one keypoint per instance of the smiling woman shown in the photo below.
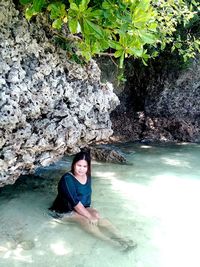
(73, 203)
(74, 188)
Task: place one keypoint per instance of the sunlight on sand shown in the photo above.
(175, 162)
(105, 175)
(16, 254)
(60, 248)
(174, 204)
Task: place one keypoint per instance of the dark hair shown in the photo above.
(83, 155)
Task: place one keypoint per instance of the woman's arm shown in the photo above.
(79, 208)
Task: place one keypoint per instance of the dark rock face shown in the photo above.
(107, 154)
(48, 105)
(159, 105)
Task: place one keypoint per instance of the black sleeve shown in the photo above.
(68, 189)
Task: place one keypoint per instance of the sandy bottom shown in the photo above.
(153, 201)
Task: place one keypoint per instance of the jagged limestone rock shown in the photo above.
(48, 105)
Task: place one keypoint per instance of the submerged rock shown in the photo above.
(107, 154)
(27, 244)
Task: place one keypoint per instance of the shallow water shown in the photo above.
(154, 201)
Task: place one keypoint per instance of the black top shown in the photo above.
(70, 193)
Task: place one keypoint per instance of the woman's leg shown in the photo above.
(110, 230)
(105, 223)
(92, 229)
(115, 239)
(109, 227)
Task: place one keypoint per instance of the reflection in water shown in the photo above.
(154, 201)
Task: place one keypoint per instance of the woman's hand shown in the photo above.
(93, 220)
(94, 216)
(91, 214)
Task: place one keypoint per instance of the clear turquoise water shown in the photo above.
(154, 201)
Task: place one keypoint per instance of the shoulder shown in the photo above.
(68, 176)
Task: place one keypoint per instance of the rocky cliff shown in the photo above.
(48, 105)
(159, 103)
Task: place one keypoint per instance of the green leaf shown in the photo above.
(144, 62)
(94, 29)
(118, 53)
(74, 7)
(147, 38)
(86, 55)
(86, 28)
(144, 5)
(139, 20)
(153, 27)
(115, 45)
(29, 13)
(38, 5)
(57, 24)
(57, 10)
(104, 44)
(106, 5)
(73, 25)
(53, 8)
(83, 5)
(96, 48)
(97, 13)
(135, 51)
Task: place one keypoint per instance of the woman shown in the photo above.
(74, 199)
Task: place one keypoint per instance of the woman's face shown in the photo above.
(80, 168)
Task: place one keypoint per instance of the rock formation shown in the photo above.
(173, 112)
(159, 104)
(108, 154)
(48, 105)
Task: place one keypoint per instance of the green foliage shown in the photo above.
(175, 26)
(58, 14)
(123, 28)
